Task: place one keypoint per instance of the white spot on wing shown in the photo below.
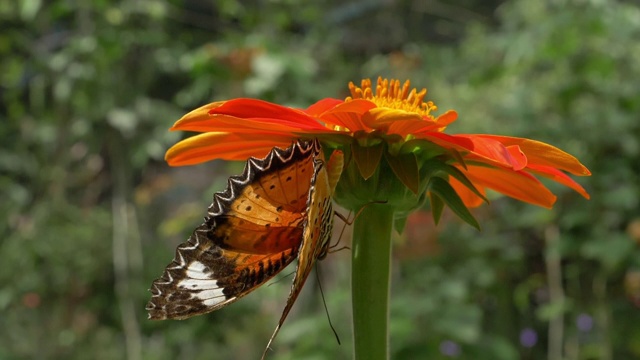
(201, 286)
(197, 270)
(216, 301)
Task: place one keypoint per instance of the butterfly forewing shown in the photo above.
(253, 230)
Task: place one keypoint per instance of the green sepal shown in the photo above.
(437, 206)
(405, 166)
(425, 149)
(367, 158)
(400, 222)
(446, 193)
(440, 169)
(455, 154)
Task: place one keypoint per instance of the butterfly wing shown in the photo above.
(253, 230)
(316, 235)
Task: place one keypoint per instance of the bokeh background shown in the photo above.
(91, 214)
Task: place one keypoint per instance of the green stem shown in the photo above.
(370, 281)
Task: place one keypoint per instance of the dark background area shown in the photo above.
(92, 214)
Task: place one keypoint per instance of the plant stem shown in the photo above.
(370, 281)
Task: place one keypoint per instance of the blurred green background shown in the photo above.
(91, 213)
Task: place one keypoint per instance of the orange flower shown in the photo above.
(394, 120)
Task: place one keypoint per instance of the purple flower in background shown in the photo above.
(450, 348)
(528, 337)
(584, 322)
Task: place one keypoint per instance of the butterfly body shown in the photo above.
(279, 209)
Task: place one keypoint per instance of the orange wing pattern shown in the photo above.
(253, 230)
(278, 209)
(316, 235)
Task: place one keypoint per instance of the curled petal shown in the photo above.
(478, 148)
(541, 153)
(225, 146)
(516, 184)
(519, 158)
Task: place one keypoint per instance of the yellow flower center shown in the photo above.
(390, 94)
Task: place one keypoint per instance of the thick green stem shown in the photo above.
(370, 281)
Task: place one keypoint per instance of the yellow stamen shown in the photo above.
(390, 94)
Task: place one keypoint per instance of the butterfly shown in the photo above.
(277, 210)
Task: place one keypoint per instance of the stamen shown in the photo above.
(389, 93)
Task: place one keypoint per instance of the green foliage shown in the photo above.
(92, 213)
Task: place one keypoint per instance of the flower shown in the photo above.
(391, 122)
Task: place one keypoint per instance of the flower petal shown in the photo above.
(541, 153)
(446, 118)
(558, 176)
(406, 127)
(348, 115)
(425, 124)
(225, 146)
(518, 157)
(323, 105)
(357, 106)
(485, 150)
(253, 108)
(195, 116)
(469, 198)
(351, 121)
(516, 184)
(383, 115)
(229, 124)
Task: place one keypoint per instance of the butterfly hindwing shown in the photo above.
(253, 230)
(316, 235)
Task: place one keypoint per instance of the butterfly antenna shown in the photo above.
(324, 302)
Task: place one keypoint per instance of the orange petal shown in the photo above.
(358, 106)
(484, 150)
(516, 184)
(469, 198)
(518, 157)
(323, 105)
(226, 146)
(382, 115)
(194, 116)
(253, 108)
(543, 154)
(558, 176)
(226, 123)
(348, 120)
(348, 114)
(406, 127)
(446, 118)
